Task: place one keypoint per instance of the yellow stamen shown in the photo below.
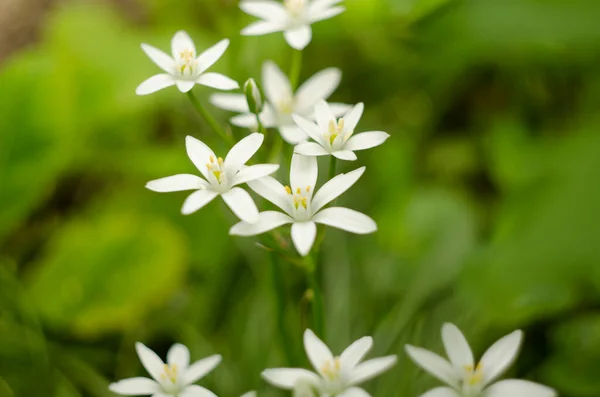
(331, 369)
(288, 190)
(170, 372)
(220, 160)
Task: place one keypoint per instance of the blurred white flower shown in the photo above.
(173, 378)
(221, 177)
(303, 210)
(467, 379)
(335, 376)
(335, 136)
(282, 102)
(184, 69)
(249, 394)
(292, 17)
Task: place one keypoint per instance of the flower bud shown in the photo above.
(253, 96)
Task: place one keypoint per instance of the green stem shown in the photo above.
(318, 322)
(332, 166)
(321, 233)
(279, 289)
(261, 127)
(209, 119)
(295, 68)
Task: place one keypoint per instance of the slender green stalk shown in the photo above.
(321, 231)
(280, 299)
(261, 127)
(318, 321)
(332, 167)
(295, 68)
(209, 119)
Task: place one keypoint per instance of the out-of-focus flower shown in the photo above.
(303, 210)
(184, 69)
(467, 379)
(221, 177)
(282, 102)
(173, 378)
(249, 394)
(335, 136)
(335, 376)
(253, 96)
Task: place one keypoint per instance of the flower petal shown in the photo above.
(433, 364)
(518, 388)
(441, 392)
(242, 151)
(346, 219)
(180, 42)
(500, 356)
(366, 140)
(318, 87)
(212, 55)
(185, 85)
(265, 9)
(247, 120)
(267, 220)
(197, 200)
(155, 83)
(218, 81)
(178, 355)
(262, 27)
(292, 134)
(270, 189)
(242, 205)
(371, 368)
(254, 172)
(352, 118)
(287, 378)
(199, 153)
(200, 368)
(323, 4)
(344, 155)
(303, 236)
(320, 15)
(334, 188)
(233, 102)
(275, 83)
(310, 128)
(153, 364)
(457, 347)
(161, 59)
(196, 391)
(310, 149)
(298, 38)
(354, 392)
(249, 394)
(323, 115)
(134, 387)
(177, 183)
(339, 109)
(303, 172)
(355, 352)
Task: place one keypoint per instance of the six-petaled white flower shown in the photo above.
(292, 17)
(335, 376)
(173, 378)
(336, 136)
(302, 209)
(221, 177)
(184, 69)
(468, 379)
(282, 102)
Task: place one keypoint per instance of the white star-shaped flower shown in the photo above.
(184, 69)
(303, 210)
(467, 379)
(173, 378)
(292, 17)
(221, 177)
(335, 376)
(282, 102)
(336, 136)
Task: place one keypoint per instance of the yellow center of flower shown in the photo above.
(170, 373)
(473, 375)
(295, 6)
(331, 368)
(298, 197)
(216, 167)
(335, 130)
(187, 62)
(286, 106)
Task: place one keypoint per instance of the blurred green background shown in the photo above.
(487, 194)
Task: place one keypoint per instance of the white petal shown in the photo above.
(242, 205)
(366, 140)
(247, 120)
(268, 116)
(318, 353)
(199, 153)
(354, 392)
(153, 364)
(233, 102)
(518, 388)
(299, 37)
(310, 128)
(155, 83)
(352, 118)
(262, 27)
(352, 355)
(347, 155)
(457, 347)
(179, 355)
(177, 183)
(346, 219)
(500, 356)
(276, 84)
(323, 4)
(310, 149)
(197, 200)
(303, 236)
(323, 115)
(441, 392)
(270, 189)
(318, 87)
(372, 368)
(161, 394)
(161, 59)
(292, 134)
(339, 109)
(180, 42)
(433, 364)
(254, 172)
(303, 172)
(242, 151)
(196, 391)
(265, 9)
(212, 55)
(200, 368)
(321, 15)
(218, 81)
(267, 220)
(334, 188)
(287, 378)
(134, 387)
(249, 394)
(185, 85)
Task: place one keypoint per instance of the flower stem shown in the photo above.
(209, 119)
(332, 166)
(321, 230)
(279, 289)
(261, 127)
(295, 68)
(318, 323)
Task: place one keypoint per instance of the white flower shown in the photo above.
(184, 69)
(292, 17)
(303, 210)
(468, 379)
(174, 378)
(335, 136)
(249, 394)
(221, 177)
(335, 376)
(282, 102)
